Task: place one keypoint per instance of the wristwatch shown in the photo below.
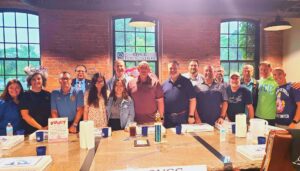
(191, 116)
(223, 117)
(75, 125)
(295, 122)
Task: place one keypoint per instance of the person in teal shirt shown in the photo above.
(266, 105)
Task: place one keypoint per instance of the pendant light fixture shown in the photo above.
(141, 20)
(278, 25)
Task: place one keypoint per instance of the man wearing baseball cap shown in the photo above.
(239, 98)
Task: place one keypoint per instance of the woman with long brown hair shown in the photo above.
(95, 100)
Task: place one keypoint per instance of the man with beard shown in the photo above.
(239, 98)
(193, 74)
(179, 98)
(211, 99)
(119, 68)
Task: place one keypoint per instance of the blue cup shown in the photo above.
(41, 150)
(20, 132)
(233, 128)
(178, 129)
(261, 140)
(39, 136)
(104, 132)
(145, 131)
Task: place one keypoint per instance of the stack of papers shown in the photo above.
(8, 142)
(252, 152)
(226, 124)
(32, 163)
(203, 127)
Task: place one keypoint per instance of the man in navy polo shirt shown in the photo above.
(287, 102)
(179, 98)
(211, 99)
(67, 102)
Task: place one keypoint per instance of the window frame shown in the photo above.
(256, 42)
(114, 40)
(16, 58)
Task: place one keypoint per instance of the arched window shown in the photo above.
(239, 45)
(19, 45)
(134, 44)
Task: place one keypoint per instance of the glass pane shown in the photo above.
(21, 65)
(1, 50)
(130, 49)
(242, 40)
(23, 51)
(34, 36)
(10, 50)
(233, 27)
(21, 19)
(251, 41)
(224, 40)
(34, 63)
(130, 39)
(140, 39)
(1, 35)
(22, 35)
(241, 64)
(9, 19)
(1, 19)
(250, 53)
(225, 65)
(224, 27)
(10, 67)
(152, 67)
(150, 39)
(224, 54)
(150, 49)
(119, 39)
(242, 54)
(150, 29)
(119, 24)
(120, 49)
(233, 54)
(33, 20)
(129, 64)
(141, 29)
(140, 49)
(1, 67)
(34, 50)
(10, 35)
(2, 85)
(251, 28)
(23, 81)
(242, 27)
(8, 78)
(233, 40)
(233, 67)
(127, 27)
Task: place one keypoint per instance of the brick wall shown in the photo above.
(70, 37)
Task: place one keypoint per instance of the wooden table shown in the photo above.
(118, 152)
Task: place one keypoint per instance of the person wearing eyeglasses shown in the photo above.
(67, 102)
(80, 82)
(95, 100)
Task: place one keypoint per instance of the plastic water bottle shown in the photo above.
(9, 129)
(222, 134)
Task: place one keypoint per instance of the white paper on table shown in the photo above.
(181, 168)
(252, 152)
(8, 142)
(58, 129)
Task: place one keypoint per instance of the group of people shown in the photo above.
(183, 98)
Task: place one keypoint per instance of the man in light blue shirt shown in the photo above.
(119, 68)
(67, 102)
